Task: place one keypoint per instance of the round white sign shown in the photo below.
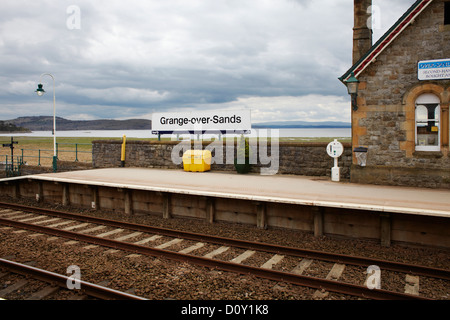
(335, 149)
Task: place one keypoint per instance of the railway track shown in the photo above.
(50, 283)
(209, 251)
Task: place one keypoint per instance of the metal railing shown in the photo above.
(77, 152)
(11, 165)
(38, 155)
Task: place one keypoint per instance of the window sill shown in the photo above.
(428, 154)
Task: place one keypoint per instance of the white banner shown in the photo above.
(223, 120)
(434, 69)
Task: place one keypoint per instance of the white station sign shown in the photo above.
(434, 69)
(222, 120)
(335, 149)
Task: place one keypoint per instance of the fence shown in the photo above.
(44, 157)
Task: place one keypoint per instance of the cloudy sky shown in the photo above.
(126, 59)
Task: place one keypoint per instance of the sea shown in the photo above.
(282, 133)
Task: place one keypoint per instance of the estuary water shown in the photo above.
(283, 133)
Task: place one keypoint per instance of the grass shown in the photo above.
(30, 146)
(66, 147)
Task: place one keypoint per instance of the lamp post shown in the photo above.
(40, 92)
(352, 87)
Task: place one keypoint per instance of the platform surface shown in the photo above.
(277, 188)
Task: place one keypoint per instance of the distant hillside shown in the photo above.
(302, 124)
(10, 127)
(45, 123)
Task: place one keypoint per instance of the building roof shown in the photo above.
(406, 19)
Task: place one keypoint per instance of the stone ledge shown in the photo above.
(401, 176)
(428, 154)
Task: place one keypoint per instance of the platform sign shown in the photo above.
(434, 69)
(237, 121)
(335, 150)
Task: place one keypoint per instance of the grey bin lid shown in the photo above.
(360, 149)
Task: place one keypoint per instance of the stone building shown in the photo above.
(400, 112)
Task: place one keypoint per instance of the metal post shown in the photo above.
(55, 158)
(12, 154)
(11, 146)
(122, 155)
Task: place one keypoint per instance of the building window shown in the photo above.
(428, 123)
(447, 13)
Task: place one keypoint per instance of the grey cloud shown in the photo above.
(129, 59)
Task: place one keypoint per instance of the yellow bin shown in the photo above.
(197, 160)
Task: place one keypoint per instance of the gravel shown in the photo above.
(158, 278)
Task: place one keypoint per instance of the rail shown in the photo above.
(61, 280)
(328, 285)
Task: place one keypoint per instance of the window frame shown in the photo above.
(438, 118)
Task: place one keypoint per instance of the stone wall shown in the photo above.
(309, 159)
(385, 119)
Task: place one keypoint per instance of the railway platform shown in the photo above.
(318, 205)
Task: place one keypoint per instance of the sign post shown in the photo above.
(11, 146)
(335, 150)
